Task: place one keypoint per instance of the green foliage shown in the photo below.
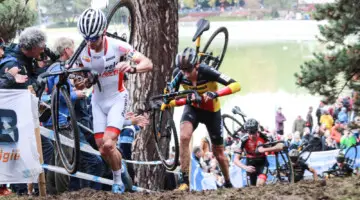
(14, 16)
(64, 11)
(333, 70)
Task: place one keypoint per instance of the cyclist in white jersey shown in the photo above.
(103, 54)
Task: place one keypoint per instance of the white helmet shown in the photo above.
(92, 23)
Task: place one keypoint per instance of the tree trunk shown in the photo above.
(156, 36)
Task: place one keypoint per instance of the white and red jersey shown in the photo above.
(104, 62)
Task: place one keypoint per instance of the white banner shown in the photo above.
(316, 1)
(19, 159)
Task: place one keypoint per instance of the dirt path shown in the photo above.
(331, 189)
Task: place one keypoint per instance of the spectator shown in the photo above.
(343, 116)
(205, 145)
(319, 112)
(327, 119)
(299, 125)
(309, 119)
(335, 133)
(296, 141)
(21, 56)
(128, 135)
(11, 76)
(279, 122)
(347, 140)
(330, 144)
(228, 141)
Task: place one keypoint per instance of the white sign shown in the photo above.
(19, 159)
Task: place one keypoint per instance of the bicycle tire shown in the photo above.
(130, 6)
(72, 165)
(231, 133)
(208, 43)
(291, 176)
(158, 131)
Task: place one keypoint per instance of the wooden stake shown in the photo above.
(41, 181)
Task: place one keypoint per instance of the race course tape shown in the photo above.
(89, 177)
(87, 148)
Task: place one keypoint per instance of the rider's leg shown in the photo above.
(261, 180)
(186, 130)
(222, 160)
(108, 150)
(213, 123)
(263, 171)
(187, 126)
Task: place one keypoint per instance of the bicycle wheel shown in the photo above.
(232, 125)
(351, 155)
(284, 168)
(218, 41)
(165, 133)
(121, 20)
(66, 137)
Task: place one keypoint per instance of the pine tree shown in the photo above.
(15, 15)
(330, 72)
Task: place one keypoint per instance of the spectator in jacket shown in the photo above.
(327, 119)
(279, 122)
(299, 125)
(343, 116)
(319, 112)
(309, 119)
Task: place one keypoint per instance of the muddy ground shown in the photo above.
(348, 188)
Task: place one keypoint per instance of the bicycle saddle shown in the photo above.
(237, 110)
(202, 26)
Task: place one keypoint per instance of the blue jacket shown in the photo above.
(51, 82)
(343, 116)
(128, 134)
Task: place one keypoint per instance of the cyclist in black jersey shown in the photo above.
(300, 166)
(202, 78)
(341, 168)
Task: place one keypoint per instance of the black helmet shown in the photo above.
(340, 158)
(251, 126)
(186, 60)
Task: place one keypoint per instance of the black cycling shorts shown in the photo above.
(212, 121)
(262, 167)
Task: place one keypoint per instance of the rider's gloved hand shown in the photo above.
(210, 95)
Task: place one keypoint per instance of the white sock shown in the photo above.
(117, 177)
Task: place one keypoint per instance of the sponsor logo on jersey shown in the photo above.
(96, 57)
(226, 78)
(86, 58)
(111, 58)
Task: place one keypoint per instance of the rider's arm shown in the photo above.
(143, 63)
(237, 160)
(278, 147)
(231, 85)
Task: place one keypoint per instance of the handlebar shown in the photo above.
(175, 94)
(167, 98)
(270, 144)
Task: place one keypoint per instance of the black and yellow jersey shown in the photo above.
(207, 80)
